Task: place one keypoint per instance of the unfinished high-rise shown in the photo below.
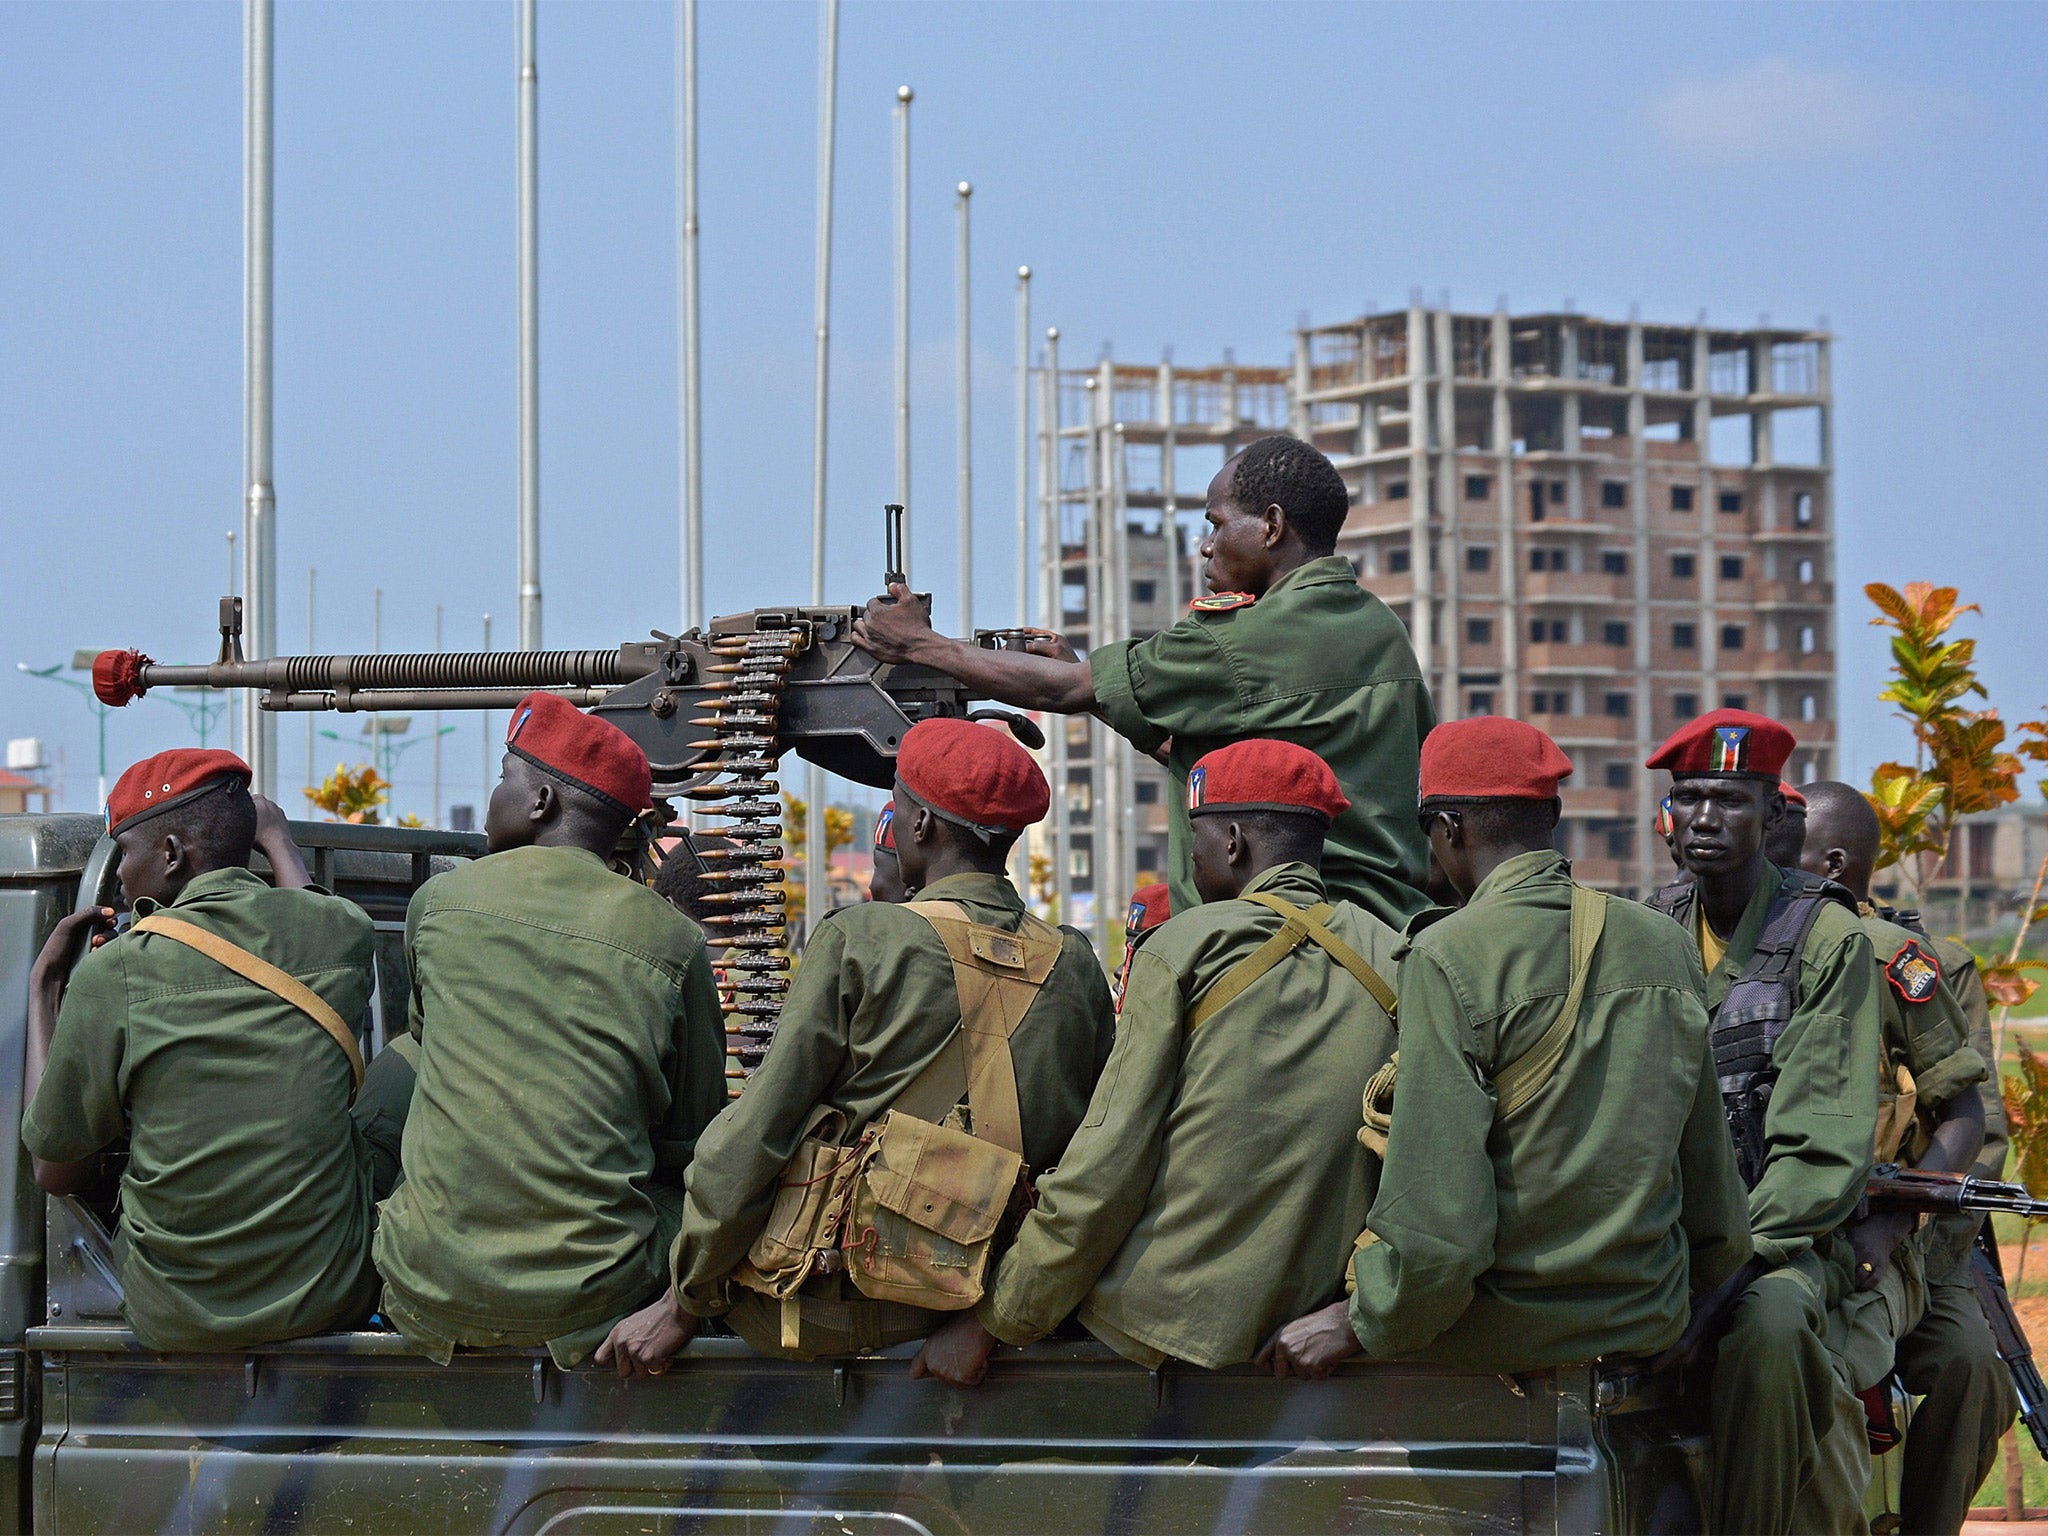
(1604, 527)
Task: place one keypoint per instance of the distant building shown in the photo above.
(19, 793)
(1604, 527)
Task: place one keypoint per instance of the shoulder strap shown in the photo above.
(1297, 927)
(255, 969)
(1515, 1084)
(998, 976)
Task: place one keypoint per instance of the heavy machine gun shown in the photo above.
(714, 709)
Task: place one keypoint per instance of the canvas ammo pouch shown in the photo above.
(910, 1212)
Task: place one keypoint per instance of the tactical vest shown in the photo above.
(1759, 1005)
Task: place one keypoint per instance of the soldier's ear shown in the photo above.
(173, 852)
(545, 801)
(1275, 519)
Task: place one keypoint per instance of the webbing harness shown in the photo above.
(1298, 926)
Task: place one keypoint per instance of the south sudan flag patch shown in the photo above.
(1222, 602)
(1913, 973)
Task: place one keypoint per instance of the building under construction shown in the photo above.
(1602, 527)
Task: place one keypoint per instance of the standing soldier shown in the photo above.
(1945, 1353)
(1287, 646)
(1797, 1040)
(1218, 1183)
(1558, 1178)
(570, 1051)
(960, 1024)
(203, 1032)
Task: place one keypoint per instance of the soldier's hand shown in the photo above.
(1045, 642)
(1709, 1317)
(957, 1354)
(72, 933)
(893, 625)
(643, 1344)
(1874, 1239)
(1310, 1347)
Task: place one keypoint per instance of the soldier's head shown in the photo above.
(964, 794)
(568, 780)
(1253, 805)
(1273, 506)
(177, 815)
(1725, 769)
(1489, 793)
(886, 884)
(1786, 840)
(1842, 836)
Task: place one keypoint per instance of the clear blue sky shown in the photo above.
(1193, 176)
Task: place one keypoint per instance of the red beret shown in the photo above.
(885, 830)
(1265, 775)
(1729, 743)
(972, 774)
(169, 779)
(1490, 757)
(592, 754)
(1792, 796)
(1149, 909)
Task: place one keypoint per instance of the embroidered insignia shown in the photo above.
(1913, 973)
(1195, 795)
(1731, 748)
(1663, 822)
(883, 823)
(518, 724)
(1131, 920)
(1222, 602)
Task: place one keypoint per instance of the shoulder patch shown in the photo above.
(1913, 972)
(1222, 602)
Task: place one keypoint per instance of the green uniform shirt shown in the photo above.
(1959, 973)
(571, 1051)
(1215, 1189)
(1822, 1118)
(245, 1207)
(1318, 661)
(872, 1003)
(1932, 1037)
(1582, 1227)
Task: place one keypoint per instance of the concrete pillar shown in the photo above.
(1421, 618)
(1448, 496)
(1299, 415)
(1569, 438)
(1509, 556)
(1647, 875)
(1169, 526)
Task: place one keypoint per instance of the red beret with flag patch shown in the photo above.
(157, 784)
(590, 754)
(885, 830)
(973, 774)
(1729, 743)
(1265, 775)
(1490, 757)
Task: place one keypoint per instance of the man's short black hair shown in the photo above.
(1282, 835)
(1290, 474)
(678, 883)
(220, 824)
(1502, 819)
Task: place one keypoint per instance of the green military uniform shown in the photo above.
(245, 1207)
(571, 1052)
(1581, 1226)
(381, 1107)
(1318, 661)
(1790, 1451)
(1944, 1353)
(1216, 1186)
(873, 1002)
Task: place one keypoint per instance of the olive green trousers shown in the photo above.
(1948, 1360)
(830, 1318)
(1790, 1449)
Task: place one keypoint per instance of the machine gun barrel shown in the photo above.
(1912, 1189)
(436, 680)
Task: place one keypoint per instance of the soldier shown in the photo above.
(570, 1052)
(1945, 1353)
(218, 1033)
(1150, 906)
(1788, 835)
(1558, 1178)
(1287, 646)
(886, 884)
(1797, 1052)
(896, 1014)
(1218, 1183)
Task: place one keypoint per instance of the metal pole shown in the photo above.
(964, 367)
(1024, 448)
(903, 96)
(529, 333)
(490, 757)
(259, 498)
(816, 854)
(376, 721)
(437, 727)
(234, 586)
(691, 337)
(311, 574)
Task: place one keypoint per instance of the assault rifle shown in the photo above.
(1941, 1193)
